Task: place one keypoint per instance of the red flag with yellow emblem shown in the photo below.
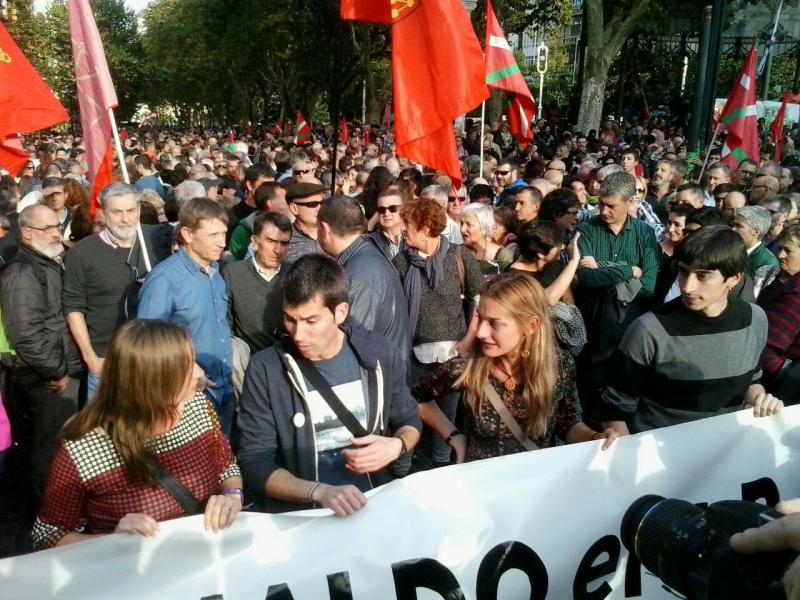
(26, 103)
(437, 74)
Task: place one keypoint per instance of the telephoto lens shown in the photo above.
(688, 548)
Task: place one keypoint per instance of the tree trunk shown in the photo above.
(603, 43)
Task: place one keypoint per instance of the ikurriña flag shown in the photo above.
(303, 133)
(26, 103)
(502, 72)
(96, 96)
(739, 116)
(437, 74)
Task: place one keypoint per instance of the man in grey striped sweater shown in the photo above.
(696, 356)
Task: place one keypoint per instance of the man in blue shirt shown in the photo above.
(188, 290)
(147, 177)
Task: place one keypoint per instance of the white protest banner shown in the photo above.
(525, 526)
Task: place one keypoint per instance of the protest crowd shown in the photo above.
(277, 317)
(291, 348)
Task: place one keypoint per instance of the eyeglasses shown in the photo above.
(392, 209)
(453, 199)
(45, 229)
(302, 172)
(745, 171)
(314, 204)
(639, 191)
(29, 166)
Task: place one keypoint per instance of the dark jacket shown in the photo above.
(30, 292)
(383, 244)
(277, 430)
(377, 300)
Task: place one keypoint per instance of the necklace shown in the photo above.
(509, 384)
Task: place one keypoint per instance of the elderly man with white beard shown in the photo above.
(103, 273)
(46, 365)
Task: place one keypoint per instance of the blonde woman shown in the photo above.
(515, 368)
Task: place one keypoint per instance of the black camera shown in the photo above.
(687, 548)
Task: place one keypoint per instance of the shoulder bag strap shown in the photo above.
(507, 418)
(188, 502)
(316, 379)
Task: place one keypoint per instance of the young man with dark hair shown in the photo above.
(254, 176)
(296, 450)
(661, 373)
(268, 197)
(147, 176)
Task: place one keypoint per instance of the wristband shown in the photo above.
(403, 446)
(453, 434)
(234, 490)
(312, 490)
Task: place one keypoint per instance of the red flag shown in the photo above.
(366, 136)
(502, 72)
(303, 134)
(777, 124)
(344, 133)
(96, 96)
(739, 115)
(26, 103)
(433, 48)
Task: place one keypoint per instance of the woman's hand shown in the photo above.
(609, 434)
(137, 523)
(221, 511)
(765, 405)
(573, 251)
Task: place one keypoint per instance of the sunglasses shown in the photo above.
(453, 199)
(302, 172)
(503, 173)
(639, 191)
(392, 209)
(314, 204)
(29, 166)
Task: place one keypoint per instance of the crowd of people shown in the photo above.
(258, 323)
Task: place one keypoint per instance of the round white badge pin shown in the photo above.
(299, 420)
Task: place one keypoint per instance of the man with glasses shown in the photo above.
(506, 178)
(452, 230)
(764, 187)
(388, 233)
(303, 171)
(304, 200)
(376, 297)
(46, 368)
(745, 173)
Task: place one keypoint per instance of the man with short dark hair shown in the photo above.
(187, 289)
(629, 161)
(690, 193)
(527, 202)
(388, 233)
(376, 296)
(268, 197)
(309, 400)
(46, 365)
(745, 173)
(147, 177)
(660, 188)
(254, 284)
(660, 374)
(506, 178)
(254, 176)
(304, 200)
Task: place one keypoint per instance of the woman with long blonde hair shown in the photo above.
(517, 386)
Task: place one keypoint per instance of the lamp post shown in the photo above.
(542, 52)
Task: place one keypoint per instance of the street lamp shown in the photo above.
(542, 52)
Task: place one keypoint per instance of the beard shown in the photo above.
(49, 250)
(123, 233)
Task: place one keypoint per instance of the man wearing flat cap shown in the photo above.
(304, 200)
(55, 196)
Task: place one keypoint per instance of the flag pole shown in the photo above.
(126, 177)
(708, 151)
(483, 117)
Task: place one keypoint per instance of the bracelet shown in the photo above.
(234, 490)
(312, 490)
(453, 434)
(403, 447)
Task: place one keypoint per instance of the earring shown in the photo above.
(525, 353)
